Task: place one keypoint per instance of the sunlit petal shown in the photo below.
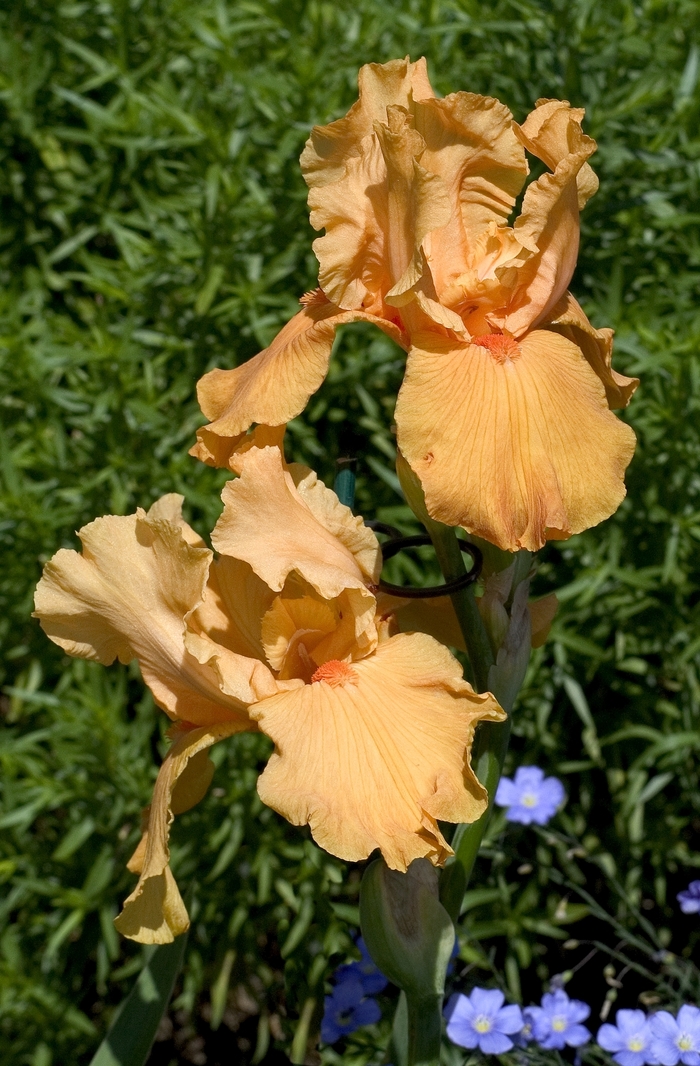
(373, 754)
(503, 444)
(548, 226)
(128, 596)
(269, 524)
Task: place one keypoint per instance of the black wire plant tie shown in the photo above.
(398, 543)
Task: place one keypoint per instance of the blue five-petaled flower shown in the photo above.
(530, 796)
(557, 1022)
(629, 1039)
(676, 1040)
(689, 899)
(480, 1020)
(346, 1009)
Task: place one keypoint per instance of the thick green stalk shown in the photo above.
(424, 1030)
(491, 741)
(477, 640)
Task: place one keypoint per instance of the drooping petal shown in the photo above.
(154, 912)
(569, 319)
(271, 525)
(518, 448)
(128, 596)
(376, 753)
(275, 385)
(435, 616)
(548, 226)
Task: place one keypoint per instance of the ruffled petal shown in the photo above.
(552, 132)
(275, 385)
(569, 319)
(154, 912)
(470, 143)
(128, 596)
(268, 523)
(346, 172)
(377, 753)
(516, 448)
(339, 520)
(548, 226)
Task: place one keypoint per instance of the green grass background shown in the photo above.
(152, 226)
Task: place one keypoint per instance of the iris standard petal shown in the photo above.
(349, 195)
(376, 753)
(517, 445)
(279, 529)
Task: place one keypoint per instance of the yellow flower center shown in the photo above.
(529, 800)
(635, 1043)
(685, 1042)
(482, 1024)
(558, 1023)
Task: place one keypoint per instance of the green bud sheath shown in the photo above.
(407, 931)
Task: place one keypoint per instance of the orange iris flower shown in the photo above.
(280, 633)
(505, 409)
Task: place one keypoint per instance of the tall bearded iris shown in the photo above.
(505, 409)
(279, 633)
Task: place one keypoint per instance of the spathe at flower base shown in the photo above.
(505, 410)
(373, 732)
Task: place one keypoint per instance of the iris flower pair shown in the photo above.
(504, 415)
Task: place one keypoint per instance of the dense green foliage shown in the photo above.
(153, 225)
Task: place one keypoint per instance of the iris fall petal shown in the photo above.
(377, 753)
(503, 443)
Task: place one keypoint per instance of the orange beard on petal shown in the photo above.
(500, 345)
(335, 673)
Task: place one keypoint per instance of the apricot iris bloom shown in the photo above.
(280, 633)
(505, 409)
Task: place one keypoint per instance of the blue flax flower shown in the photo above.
(530, 797)
(690, 898)
(480, 1020)
(676, 1039)
(372, 979)
(629, 1039)
(556, 1022)
(347, 1009)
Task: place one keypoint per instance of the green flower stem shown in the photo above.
(424, 1030)
(452, 565)
(491, 741)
